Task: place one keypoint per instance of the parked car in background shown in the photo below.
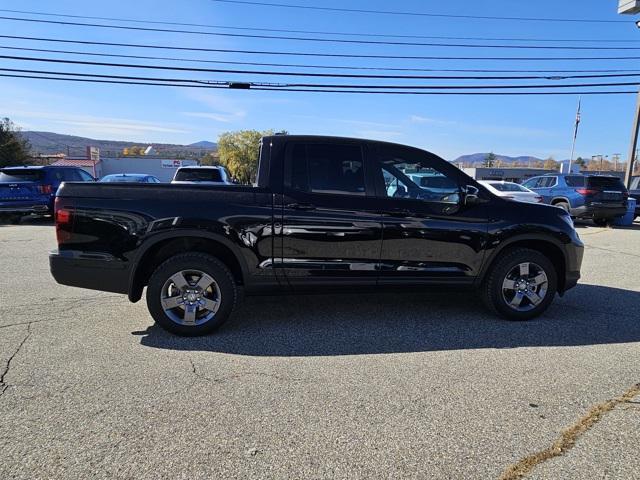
(130, 178)
(598, 197)
(634, 191)
(511, 191)
(206, 175)
(31, 189)
(319, 217)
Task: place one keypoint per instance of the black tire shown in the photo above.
(563, 205)
(225, 288)
(492, 287)
(15, 219)
(602, 222)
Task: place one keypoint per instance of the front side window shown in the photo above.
(547, 182)
(326, 168)
(412, 176)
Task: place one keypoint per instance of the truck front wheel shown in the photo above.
(191, 294)
(520, 285)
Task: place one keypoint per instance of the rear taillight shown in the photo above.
(586, 191)
(539, 199)
(46, 189)
(64, 219)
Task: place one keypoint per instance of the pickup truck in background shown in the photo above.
(31, 189)
(210, 175)
(325, 214)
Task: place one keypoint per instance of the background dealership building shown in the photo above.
(161, 167)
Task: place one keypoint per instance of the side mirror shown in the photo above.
(470, 195)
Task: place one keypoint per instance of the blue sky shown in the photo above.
(447, 125)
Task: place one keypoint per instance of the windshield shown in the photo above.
(508, 187)
(26, 175)
(199, 175)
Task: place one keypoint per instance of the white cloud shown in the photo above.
(218, 117)
(94, 126)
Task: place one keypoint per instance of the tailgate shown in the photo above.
(18, 191)
(609, 190)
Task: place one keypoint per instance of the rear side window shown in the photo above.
(605, 183)
(574, 181)
(26, 175)
(199, 175)
(325, 168)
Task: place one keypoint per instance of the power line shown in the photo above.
(408, 92)
(317, 39)
(417, 14)
(320, 86)
(340, 67)
(319, 32)
(338, 75)
(315, 54)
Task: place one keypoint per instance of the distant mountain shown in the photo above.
(204, 144)
(50, 142)
(478, 159)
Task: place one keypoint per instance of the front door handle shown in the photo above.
(398, 212)
(301, 206)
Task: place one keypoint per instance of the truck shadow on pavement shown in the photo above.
(324, 325)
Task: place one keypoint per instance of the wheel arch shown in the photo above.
(560, 199)
(162, 248)
(549, 247)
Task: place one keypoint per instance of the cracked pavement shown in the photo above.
(373, 386)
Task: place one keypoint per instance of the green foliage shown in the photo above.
(210, 159)
(489, 160)
(580, 161)
(14, 150)
(239, 152)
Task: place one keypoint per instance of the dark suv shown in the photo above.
(32, 189)
(601, 198)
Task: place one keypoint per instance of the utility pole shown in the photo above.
(631, 7)
(575, 134)
(631, 159)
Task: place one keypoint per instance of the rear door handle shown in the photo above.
(301, 206)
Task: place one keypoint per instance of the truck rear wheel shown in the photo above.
(520, 285)
(191, 294)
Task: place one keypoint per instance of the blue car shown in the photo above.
(32, 189)
(130, 178)
(598, 197)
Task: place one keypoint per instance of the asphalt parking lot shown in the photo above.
(373, 386)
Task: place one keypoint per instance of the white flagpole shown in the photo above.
(575, 134)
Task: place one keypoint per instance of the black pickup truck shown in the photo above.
(325, 213)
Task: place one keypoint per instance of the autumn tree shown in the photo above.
(210, 159)
(239, 152)
(14, 150)
(550, 164)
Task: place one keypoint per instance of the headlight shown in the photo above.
(567, 219)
